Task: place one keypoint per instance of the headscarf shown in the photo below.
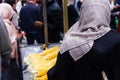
(93, 24)
(6, 12)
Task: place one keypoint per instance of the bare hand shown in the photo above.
(38, 23)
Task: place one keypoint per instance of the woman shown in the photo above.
(89, 47)
(15, 16)
(6, 12)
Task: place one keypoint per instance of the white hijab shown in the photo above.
(93, 24)
(6, 12)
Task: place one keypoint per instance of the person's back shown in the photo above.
(89, 47)
(29, 14)
(55, 21)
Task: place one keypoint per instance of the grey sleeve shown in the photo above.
(5, 45)
(15, 20)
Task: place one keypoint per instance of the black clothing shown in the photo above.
(73, 16)
(14, 69)
(19, 60)
(104, 56)
(59, 3)
(114, 16)
(54, 22)
(28, 15)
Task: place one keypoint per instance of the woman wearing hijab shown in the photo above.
(89, 47)
(6, 12)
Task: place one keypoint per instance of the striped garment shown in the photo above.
(93, 24)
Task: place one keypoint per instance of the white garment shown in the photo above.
(19, 6)
(112, 5)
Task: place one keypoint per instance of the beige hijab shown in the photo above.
(93, 24)
(6, 13)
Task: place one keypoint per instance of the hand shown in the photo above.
(38, 23)
(116, 6)
(19, 35)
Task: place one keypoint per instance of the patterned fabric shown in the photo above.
(93, 24)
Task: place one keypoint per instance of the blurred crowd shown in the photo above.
(24, 18)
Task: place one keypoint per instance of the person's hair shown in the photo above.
(11, 2)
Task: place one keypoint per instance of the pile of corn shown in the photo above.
(39, 64)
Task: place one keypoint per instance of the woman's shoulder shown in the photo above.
(108, 42)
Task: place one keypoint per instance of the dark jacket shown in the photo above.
(104, 56)
(28, 15)
(73, 16)
(54, 21)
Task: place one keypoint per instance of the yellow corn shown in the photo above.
(49, 50)
(52, 55)
(39, 64)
